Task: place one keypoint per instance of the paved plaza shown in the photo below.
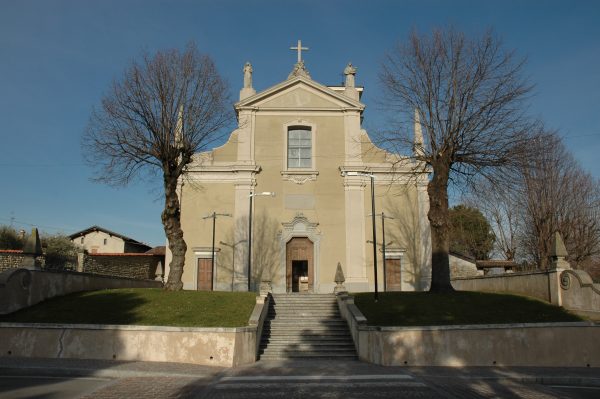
(64, 378)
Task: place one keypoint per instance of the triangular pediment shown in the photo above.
(299, 93)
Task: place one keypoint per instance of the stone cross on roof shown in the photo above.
(299, 48)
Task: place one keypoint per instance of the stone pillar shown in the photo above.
(81, 261)
(240, 234)
(424, 257)
(558, 253)
(356, 278)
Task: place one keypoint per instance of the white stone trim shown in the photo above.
(300, 226)
(290, 84)
(288, 173)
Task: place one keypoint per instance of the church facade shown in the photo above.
(298, 171)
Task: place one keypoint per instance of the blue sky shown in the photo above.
(57, 58)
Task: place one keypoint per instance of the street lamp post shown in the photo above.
(372, 177)
(212, 260)
(252, 195)
(232, 246)
(383, 217)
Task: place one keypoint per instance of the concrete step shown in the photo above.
(345, 344)
(304, 321)
(309, 344)
(306, 331)
(300, 323)
(312, 355)
(314, 333)
(316, 316)
(303, 307)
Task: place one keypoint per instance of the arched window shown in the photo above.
(299, 151)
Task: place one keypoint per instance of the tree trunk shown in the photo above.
(438, 217)
(171, 219)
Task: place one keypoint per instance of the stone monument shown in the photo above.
(32, 250)
(339, 280)
(350, 85)
(247, 90)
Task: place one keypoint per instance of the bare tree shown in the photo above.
(468, 97)
(166, 108)
(504, 210)
(559, 196)
(551, 193)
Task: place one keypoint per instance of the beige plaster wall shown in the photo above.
(539, 345)
(228, 151)
(200, 200)
(227, 347)
(95, 240)
(402, 232)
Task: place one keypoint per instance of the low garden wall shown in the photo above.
(21, 288)
(540, 345)
(572, 289)
(533, 284)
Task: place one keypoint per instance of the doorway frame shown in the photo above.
(396, 253)
(205, 253)
(310, 267)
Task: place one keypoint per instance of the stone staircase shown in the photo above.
(305, 326)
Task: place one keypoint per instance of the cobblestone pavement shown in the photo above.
(315, 379)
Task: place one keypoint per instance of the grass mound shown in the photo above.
(460, 307)
(143, 306)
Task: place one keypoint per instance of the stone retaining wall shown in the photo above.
(539, 345)
(130, 265)
(225, 347)
(140, 266)
(13, 258)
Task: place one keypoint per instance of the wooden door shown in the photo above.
(205, 274)
(299, 249)
(393, 281)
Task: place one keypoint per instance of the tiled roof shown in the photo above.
(122, 254)
(11, 251)
(160, 250)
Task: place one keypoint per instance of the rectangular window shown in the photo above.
(105, 241)
(299, 147)
(82, 240)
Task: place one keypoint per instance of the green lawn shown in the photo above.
(461, 307)
(143, 306)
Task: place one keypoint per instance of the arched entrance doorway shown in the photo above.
(299, 263)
